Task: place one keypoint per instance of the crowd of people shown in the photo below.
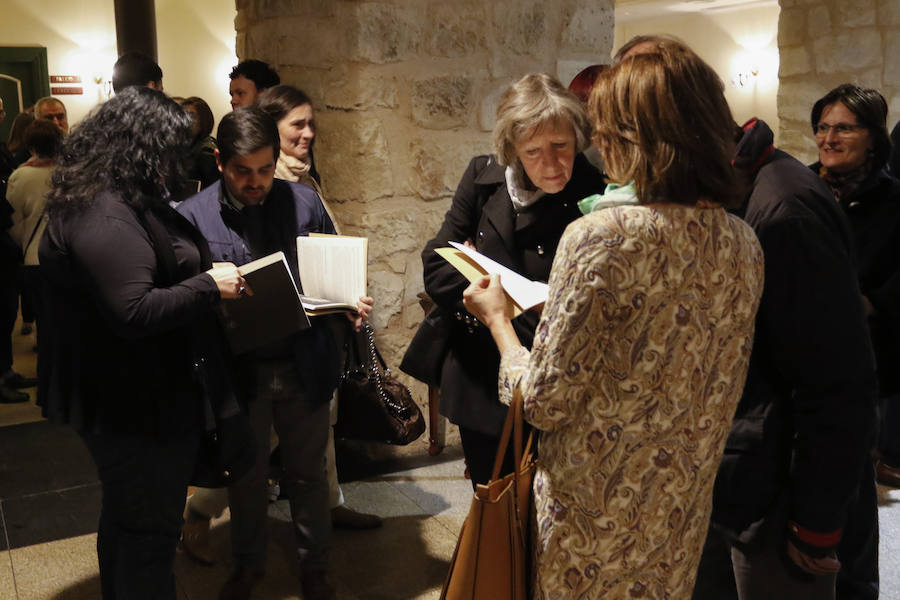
(709, 377)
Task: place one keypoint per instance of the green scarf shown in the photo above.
(614, 195)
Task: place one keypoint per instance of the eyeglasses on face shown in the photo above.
(839, 129)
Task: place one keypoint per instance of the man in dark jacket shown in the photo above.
(803, 431)
(247, 215)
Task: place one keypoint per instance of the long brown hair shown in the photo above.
(661, 120)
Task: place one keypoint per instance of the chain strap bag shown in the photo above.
(492, 555)
(372, 403)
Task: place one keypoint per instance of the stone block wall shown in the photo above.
(824, 43)
(405, 93)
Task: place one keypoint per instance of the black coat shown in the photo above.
(482, 211)
(119, 343)
(804, 424)
(873, 211)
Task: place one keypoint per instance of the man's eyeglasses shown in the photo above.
(839, 129)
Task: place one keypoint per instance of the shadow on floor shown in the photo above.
(89, 589)
(392, 562)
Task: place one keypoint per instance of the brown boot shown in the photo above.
(315, 585)
(341, 516)
(886, 474)
(195, 538)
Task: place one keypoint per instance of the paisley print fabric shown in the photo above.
(638, 363)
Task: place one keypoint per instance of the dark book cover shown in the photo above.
(273, 311)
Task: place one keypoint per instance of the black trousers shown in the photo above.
(9, 308)
(858, 551)
(480, 450)
(30, 293)
(858, 554)
(144, 483)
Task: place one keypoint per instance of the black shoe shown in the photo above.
(241, 583)
(18, 381)
(11, 396)
(341, 516)
(315, 586)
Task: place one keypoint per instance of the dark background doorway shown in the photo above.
(24, 78)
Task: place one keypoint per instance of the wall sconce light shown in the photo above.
(104, 85)
(745, 77)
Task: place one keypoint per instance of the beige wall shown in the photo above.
(730, 41)
(825, 43)
(405, 94)
(195, 39)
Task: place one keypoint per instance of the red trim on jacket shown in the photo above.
(816, 538)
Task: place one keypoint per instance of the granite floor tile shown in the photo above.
(446, 498)
(60, 570)
(29, 466)
(52, 515)
(7, 582)
(381, 498)
(405, 558)
(889, 546)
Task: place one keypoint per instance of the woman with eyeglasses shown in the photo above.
(849, 124)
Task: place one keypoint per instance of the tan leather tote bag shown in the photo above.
(492, 555)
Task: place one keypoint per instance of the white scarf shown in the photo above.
(515, 183)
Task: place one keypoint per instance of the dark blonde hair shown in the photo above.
(533, 102)
(661, 120)
(17, 131)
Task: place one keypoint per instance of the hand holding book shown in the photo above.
(332, 272)
(229, 281)
(523, 293)
(363, 309)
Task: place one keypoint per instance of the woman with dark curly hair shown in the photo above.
(130, 330)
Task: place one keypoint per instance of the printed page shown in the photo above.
(333, 267)
(523, 291)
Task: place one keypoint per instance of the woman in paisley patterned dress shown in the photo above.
(641, 353)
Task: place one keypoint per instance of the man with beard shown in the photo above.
(249, 214)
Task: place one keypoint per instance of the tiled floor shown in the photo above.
(50, 528)
(50, 521)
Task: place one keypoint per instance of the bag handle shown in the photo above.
(375, 359)
(35, 230)
(513, 428)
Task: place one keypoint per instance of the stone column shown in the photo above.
(405, 94)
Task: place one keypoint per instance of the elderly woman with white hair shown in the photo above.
(513, 207)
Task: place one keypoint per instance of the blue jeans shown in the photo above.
(144, 482)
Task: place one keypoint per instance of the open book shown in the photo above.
(333, 270)
(272, 313)
(522, 292)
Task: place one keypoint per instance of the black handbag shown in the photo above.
(372, 404)
(425, 355)
(226, 453)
